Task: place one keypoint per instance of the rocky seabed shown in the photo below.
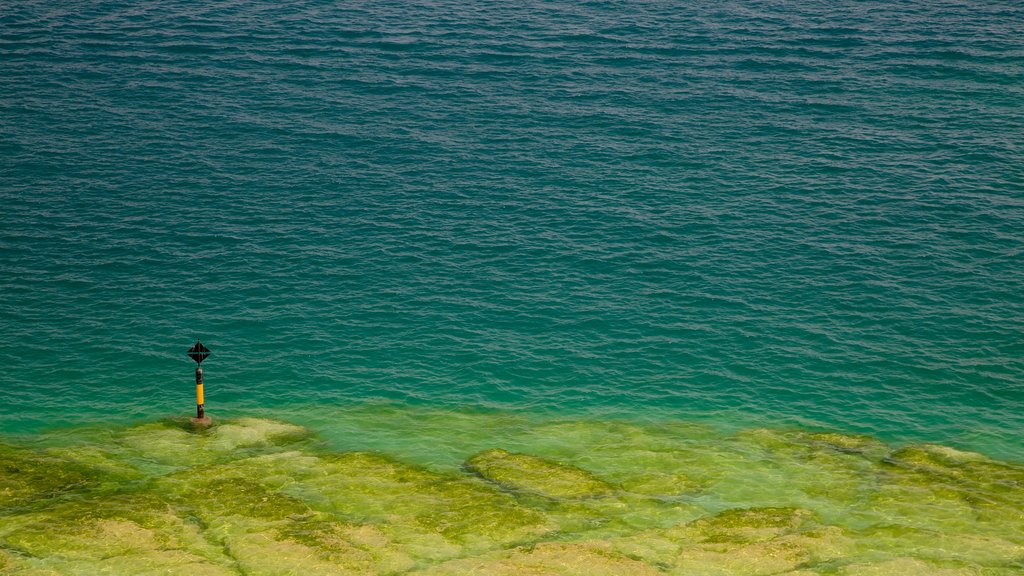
(256, 497)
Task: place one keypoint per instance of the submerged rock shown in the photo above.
(252, 433)
(741, 542)
(785, 468)
(129, 534)
(653, 459)
(106, 469)
(320, 547)
(746, 525)
(358, 547)
(848, 443)
(547, 559)
(807, 442)
(943, 461)
(525, 473)
(959, 491)
(248, 496)
(428, 515)
(659, 484)
(26, 475)
(428, 511)
(759, 542)
(905, 567)
(177, 444)
(217, 498)
(936, 546)
(966, 470)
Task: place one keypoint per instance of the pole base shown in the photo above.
(203, 422)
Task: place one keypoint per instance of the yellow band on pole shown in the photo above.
(199, 394)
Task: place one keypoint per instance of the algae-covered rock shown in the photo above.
(931, 545)
(762, 467)
(244, 506)
(967, 470)
(905, 567)
(918, 501)
(806, 442)
(248, 496)
(747, 524)
(655, 459)
(178, 444)
(937, 459)
(216, 498)
(418, 506)
(755, 542)
(129, 534)
(107, 470)
(738, 542)
(949, 490)
(27, 474)
(658, 484)
(429, 515)
(663, 473)
(756, 559)
(522, 472)
(848, 443)
(980, 476)
(317, 547)
(547, 559)
(357, 547)
(585, 438)
(617, 516)
(775, 556)
(253, 432)
(153, 563)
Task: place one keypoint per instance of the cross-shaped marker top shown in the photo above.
(198, 352)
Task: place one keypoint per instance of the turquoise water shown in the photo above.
(504, 288)
(756, 212)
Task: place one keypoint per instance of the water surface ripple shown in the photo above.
(806, 211)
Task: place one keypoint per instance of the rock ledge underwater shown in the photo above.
(257, 497)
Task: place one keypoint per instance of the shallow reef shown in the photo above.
(588, 497)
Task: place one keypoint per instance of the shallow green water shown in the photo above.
(386, 489)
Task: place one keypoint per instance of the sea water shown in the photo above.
(744, 256)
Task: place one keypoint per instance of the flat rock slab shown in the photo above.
(526, 473)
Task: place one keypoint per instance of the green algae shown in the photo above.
(930, 545)
(747, 525)
(432, 515)
(26, 475)
(756, 541)
(261, 497)
(956, 491)
(527, 473)
(977, 476)
(548, 558)
(214, 498)
(907, 567)
(176, 444)
(129, 534)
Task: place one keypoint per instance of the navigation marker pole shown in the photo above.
(199, 353)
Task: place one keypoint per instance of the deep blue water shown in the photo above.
(802, 211)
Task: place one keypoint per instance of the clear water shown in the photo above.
(744, 214)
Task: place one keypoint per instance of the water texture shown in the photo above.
(573, 288)
(796, 212)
